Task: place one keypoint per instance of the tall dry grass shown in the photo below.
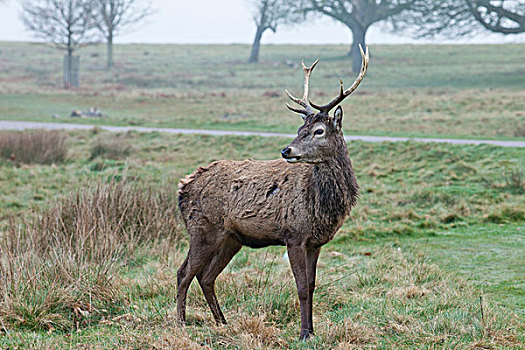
(33, 146)
(58, 269)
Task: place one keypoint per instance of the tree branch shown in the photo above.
(494, 15)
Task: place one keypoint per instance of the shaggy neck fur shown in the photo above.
(333, 194)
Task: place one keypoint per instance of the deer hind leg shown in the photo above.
(199, 255)
(209, 274)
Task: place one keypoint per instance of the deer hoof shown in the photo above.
(221, 322)
(305, 334)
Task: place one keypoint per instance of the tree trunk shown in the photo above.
(109, 63)
(358, 37)
(254, 56)
(68, 67)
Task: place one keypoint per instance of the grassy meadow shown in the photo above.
(458, 91)
(438, 227)
(91, 239)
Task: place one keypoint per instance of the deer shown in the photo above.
(299, 201)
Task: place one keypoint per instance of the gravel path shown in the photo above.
(19, 125)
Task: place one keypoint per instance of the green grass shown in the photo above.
(475, 252)
(379, 295)
(467, 91)
(436, 227)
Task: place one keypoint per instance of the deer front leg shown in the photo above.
(297, 256)
(311, 263)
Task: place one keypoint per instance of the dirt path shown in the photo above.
(19, 125)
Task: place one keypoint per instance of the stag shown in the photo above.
(299, 203)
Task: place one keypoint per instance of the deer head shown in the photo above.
(321, 135)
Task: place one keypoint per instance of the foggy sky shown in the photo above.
(230, 21)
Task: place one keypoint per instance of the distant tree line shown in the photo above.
(418, 18)
(70, 24)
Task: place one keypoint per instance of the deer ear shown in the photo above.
(338, 117)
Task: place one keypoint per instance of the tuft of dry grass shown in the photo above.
(58, 269)
(348, 332)
(33, 146)
(110, 147)
(58, 291)
(105, 221)
(147, 337)
(515, 180)
(504, 213)
(250, 332)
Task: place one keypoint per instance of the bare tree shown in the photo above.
(358, 16)
(506, 17)
(114, 16)
(269, 14)
(456, 18)
(66, 24)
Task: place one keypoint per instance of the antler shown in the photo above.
(345, 93)
(305, 101)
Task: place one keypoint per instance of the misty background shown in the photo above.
(230, 21)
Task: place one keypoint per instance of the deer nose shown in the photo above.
(286, 152)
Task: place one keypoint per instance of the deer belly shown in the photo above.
(257, 242)
(254, 232)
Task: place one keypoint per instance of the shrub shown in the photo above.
(33, 146)
(57, 269)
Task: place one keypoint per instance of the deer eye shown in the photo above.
(319, 132)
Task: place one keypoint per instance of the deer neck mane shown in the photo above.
(333, 192)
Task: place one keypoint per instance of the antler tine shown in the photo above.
(305, 101)
(345, 93)
(295, 99)
(307, 72)
(297, 110)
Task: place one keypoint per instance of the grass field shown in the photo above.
(475, 91)
(90, 236)
(437, 227)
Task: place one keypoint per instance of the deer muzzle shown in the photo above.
(289, 155)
